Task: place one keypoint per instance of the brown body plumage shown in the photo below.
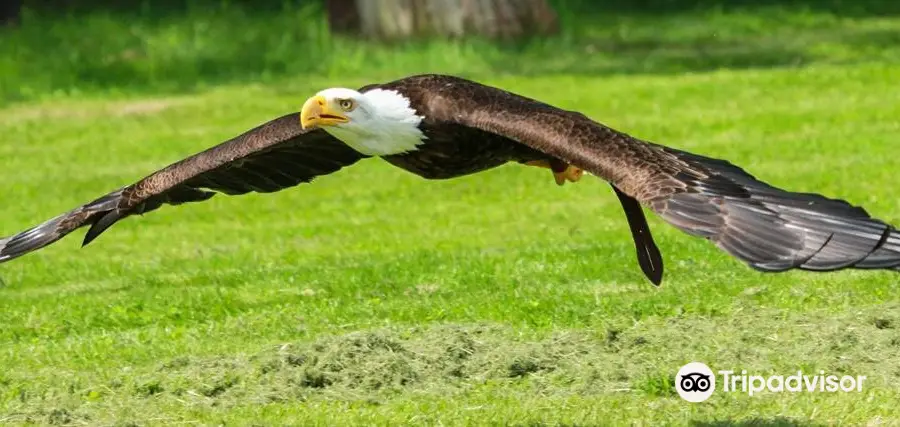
(469, 128)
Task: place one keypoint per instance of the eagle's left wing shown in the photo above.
(271, 157)
(769, 228)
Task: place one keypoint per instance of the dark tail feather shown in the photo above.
(100, 214)
(776, 230)
(648, 254)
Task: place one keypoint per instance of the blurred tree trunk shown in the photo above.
(343, 17)
(9, 12)
(401, 19)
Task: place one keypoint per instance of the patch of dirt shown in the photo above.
(90, 109)
(148, 106)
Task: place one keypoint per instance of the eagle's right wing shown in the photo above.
(274, 156)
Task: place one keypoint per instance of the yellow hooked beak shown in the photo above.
(316, 112)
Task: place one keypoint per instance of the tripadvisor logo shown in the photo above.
(696, 382)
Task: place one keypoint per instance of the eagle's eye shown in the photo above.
(346, 104)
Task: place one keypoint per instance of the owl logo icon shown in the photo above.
(695, 382)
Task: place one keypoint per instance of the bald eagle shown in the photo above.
(441, 127)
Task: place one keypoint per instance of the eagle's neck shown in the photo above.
(386, 125)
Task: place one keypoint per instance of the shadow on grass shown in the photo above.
(163, 8)
(665, 56)
(178, 46)
(756, 422)
(656, 7)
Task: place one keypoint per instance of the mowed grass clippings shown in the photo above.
(379, 372)
(372, 296)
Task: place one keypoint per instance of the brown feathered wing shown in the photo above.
(770, 229)
(271, 157)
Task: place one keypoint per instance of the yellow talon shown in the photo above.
(571, 173)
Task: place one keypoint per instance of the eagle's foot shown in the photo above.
(571, 174)
(562, 172)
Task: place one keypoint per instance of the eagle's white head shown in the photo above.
(377, 123)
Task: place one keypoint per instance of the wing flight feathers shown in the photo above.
(772, 229)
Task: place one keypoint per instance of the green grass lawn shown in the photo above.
(375, 297)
